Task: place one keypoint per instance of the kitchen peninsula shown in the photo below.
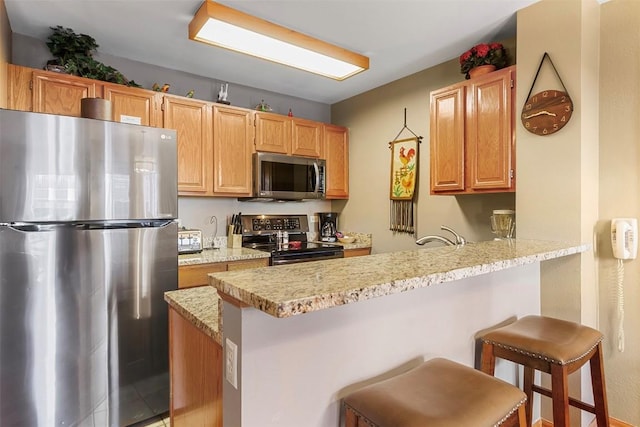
(308, 334)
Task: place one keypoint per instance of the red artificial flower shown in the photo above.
(465, 56)
(482, 50)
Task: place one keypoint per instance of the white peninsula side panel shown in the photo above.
(294, 371)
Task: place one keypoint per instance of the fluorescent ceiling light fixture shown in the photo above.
(225, 27)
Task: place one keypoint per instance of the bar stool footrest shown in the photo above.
(572, 401)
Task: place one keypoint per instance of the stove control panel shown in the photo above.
(284, 224)
(261, 224)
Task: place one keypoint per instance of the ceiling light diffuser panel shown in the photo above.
(228, 28)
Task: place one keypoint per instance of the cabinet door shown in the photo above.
(61, 94)
(306, 139)
(447, 116)
(247, 264)
(19, 83)
(198, 274)
(273, 133)
(133, 105)
(357, 252)
(336, 150)
(490, 136)
(232, 137)
(195, 366)
(192, 121)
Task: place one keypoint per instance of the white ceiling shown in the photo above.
(401, 37)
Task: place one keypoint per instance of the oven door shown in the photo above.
(297, 257)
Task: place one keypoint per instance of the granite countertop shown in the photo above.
(222, 254)
(289, 290)
(199, 305)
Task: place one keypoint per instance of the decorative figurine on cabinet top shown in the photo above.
(223, 93)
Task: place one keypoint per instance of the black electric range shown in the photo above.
(260, 232)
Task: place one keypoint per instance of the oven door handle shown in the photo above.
(298, 259)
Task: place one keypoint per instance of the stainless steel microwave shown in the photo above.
(282, 177)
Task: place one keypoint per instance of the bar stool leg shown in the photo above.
(528, 390)
(488, 363)
(599, 389)
(350, 418)
(522, 416)
(560, 395)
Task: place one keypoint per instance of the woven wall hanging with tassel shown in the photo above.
(404, 180)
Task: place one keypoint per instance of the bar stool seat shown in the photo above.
(438, 393)
(554, 346)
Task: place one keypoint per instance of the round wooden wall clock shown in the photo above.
(548, 111)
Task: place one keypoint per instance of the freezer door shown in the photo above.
(57, 168)
(83, 324)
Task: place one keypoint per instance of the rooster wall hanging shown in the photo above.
(404, 180)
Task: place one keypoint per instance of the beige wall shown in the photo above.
(375, 118)
(558, 174)
(620, 196)
(595, 49)
(5, 53)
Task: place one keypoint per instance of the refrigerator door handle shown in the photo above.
(29, 227)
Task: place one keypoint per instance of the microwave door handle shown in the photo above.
(317, 177)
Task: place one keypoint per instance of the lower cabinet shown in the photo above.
(197, 275)
(196, 375)
(357, 252)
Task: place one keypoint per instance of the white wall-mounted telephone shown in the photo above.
(624, 238)
(624, 242)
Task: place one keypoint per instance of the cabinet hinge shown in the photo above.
(511, 173)
(511, 83)
(30, 84)
(162, 106)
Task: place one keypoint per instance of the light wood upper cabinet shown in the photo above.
(192, 121)
(336, 151)
(472, 135)
(287, 135)
(232, 137)
(19, 83)
(273, 133)
(490, 132)
(61, 94)
(447, 109)
(306, 138)
(137, 105)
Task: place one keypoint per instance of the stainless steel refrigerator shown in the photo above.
(88, 246)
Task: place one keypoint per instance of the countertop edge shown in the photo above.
(194, 304)
(301, 305)
(297, 307)
(211, 256)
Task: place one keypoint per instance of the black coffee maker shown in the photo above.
(327, 226)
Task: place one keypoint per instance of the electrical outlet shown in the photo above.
(231, 362)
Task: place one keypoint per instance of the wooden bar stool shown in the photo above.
(556, 347)
(438, 393)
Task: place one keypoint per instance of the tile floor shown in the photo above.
(157, 422)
